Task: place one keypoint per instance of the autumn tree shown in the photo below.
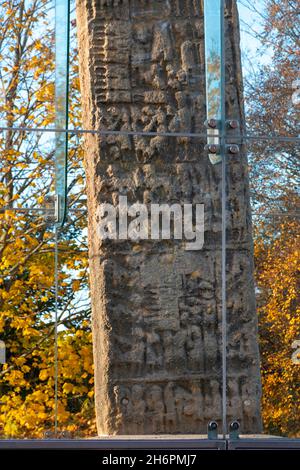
(277, 264)
(27, 297)
(274, 164)
(271, 106)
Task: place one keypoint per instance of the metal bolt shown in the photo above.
(232, 124)
(212, 148)
(212, 430)
(213, 425)
(234, 149)
(211, 123)
(234, 426)
(234, 430)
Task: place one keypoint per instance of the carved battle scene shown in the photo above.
(157, 306)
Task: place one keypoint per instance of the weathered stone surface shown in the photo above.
(157, 307)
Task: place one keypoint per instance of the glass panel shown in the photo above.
(36, 290)
(62, 25)
(75, 374)
(213, 31)
(215, 123)
(27, 63)
(275, 205)
(165, 303)
(269, 135)
(157, 334)
(27, 294)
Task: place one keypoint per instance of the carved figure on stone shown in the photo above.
(212, 399)
(176, 77)
(187, 57)
(195, 350)
(185, 404)
(122, 397)
(169, 399)
(154, 354)
(234, 399)
(155, 77)
(156, 408)
(117, 120)
(162, 48)
(182, 120)
(110, 3)
(138, 406)
(131, 352)
(153, 120)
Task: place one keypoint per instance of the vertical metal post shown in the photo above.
(56, 333)
(214, 14)
(224, 217)
(62, 48)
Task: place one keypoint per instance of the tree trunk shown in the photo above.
(157, 306)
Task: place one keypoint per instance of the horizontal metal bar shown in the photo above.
(155, 442)
(104, 132)
(34, 209)
(262, 443)
(41, 209)
(114, 443)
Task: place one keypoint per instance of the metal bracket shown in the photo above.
(233, 149)
(212, 149)
(212, 123)
(212, 430)
(232, 124)
(51, 204)
(213, 140)
(234, 428)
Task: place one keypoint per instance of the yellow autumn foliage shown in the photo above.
(27, 295)
(278, 268)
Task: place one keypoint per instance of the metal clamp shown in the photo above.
(212, 123)
(234, 428)
(212, 430)
(233, 149)
(212, 148)
(52, 206)
(232, 124)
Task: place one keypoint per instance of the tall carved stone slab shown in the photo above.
(156, 306)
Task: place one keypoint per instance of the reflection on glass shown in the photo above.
(62, 12)
(213, 66)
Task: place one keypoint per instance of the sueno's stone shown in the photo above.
(156, 307)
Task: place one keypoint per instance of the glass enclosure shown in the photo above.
(193, 308)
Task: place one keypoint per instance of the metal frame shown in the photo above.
(154, 443)
(277, 443)
(114, 444)
(214, 36)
